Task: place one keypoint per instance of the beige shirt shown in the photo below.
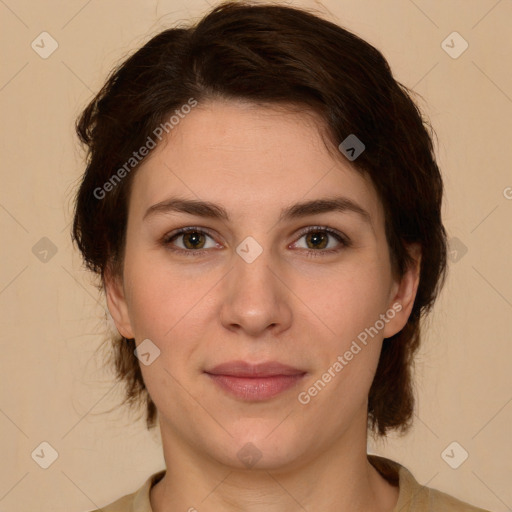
(412, 497)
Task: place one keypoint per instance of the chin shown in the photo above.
(254, 448)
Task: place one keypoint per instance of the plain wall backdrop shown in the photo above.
(53, 387)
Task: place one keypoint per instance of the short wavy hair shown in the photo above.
(272, 55)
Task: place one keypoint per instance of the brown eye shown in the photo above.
(321, 240)
(317, 241)
(193, 240)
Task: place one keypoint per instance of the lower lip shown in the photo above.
(254, 389)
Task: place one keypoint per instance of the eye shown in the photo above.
(317, 240)
(193, 240)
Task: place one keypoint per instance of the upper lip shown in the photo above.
(244, 369)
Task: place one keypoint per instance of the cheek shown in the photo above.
(165, 301)
(347, 357)
(151, 296)
(353, 299)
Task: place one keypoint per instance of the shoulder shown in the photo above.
(414, 497)
(138, 501)
(442, 501)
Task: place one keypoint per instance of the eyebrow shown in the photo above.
(295, 211)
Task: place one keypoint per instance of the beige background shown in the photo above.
(53, 387)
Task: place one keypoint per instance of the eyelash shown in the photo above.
(311, 253)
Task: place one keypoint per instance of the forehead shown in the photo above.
(249, 158)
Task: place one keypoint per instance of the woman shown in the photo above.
(263, 207)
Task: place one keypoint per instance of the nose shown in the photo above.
(256, 298)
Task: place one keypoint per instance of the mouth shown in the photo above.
(255, 382)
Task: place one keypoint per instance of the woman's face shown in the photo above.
(249, 283)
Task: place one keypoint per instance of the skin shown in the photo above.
(285, 306)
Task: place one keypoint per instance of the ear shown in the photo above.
(403, 294)
(116, 303)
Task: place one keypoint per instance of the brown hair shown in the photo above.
(270, 54)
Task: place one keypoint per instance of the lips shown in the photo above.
(244, 369)
(255, 382)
